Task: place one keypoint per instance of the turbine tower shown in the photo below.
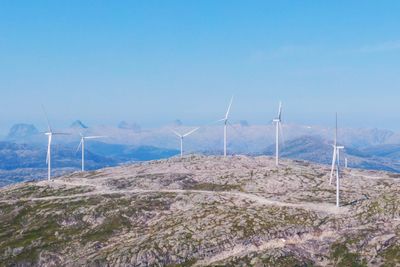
(278, 131)
(181, 136)
(225, 120)
(82, 144)
(336, 165)
(49, 134)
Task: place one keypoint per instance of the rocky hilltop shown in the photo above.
(203, 211)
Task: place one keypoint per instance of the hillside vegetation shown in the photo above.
(203, 211)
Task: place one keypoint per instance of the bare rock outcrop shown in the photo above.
(203, 211)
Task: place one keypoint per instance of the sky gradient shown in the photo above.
(155, 61)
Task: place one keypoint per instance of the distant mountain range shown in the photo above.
(317, 149)
(21, 162)
(22, 130)
(129, 126)
(25, 147)
(242, 136)
(78, 124)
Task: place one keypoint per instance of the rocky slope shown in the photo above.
(203, 211)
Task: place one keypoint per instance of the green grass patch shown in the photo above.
(341, 256)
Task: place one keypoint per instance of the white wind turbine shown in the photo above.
(49, 134)
(225, 120)
(278, 131)
(336, 165)
(181, 136)
(82, 144)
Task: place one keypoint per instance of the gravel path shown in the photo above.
(103, 190)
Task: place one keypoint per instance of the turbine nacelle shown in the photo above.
(225, 120)
(181, 136)
(49, 134)
(185, 134)
(82, 144)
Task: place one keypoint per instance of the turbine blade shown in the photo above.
(48, 149)
(95, 137)
(281, 134)
(79, 146)
(192, 131)
(239, 134)
(280, 111)
(336, 131)
(176, 133)
(229, 108)
(47, 118)
(61, 133)
(333, 165)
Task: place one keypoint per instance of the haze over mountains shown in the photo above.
(24, 148)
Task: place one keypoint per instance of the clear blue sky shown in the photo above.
(155, 61)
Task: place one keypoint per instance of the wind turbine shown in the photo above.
(278, 124)
(336, 165)
(49, 134)
(225, 120)
(181, 136)
(82, 144)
